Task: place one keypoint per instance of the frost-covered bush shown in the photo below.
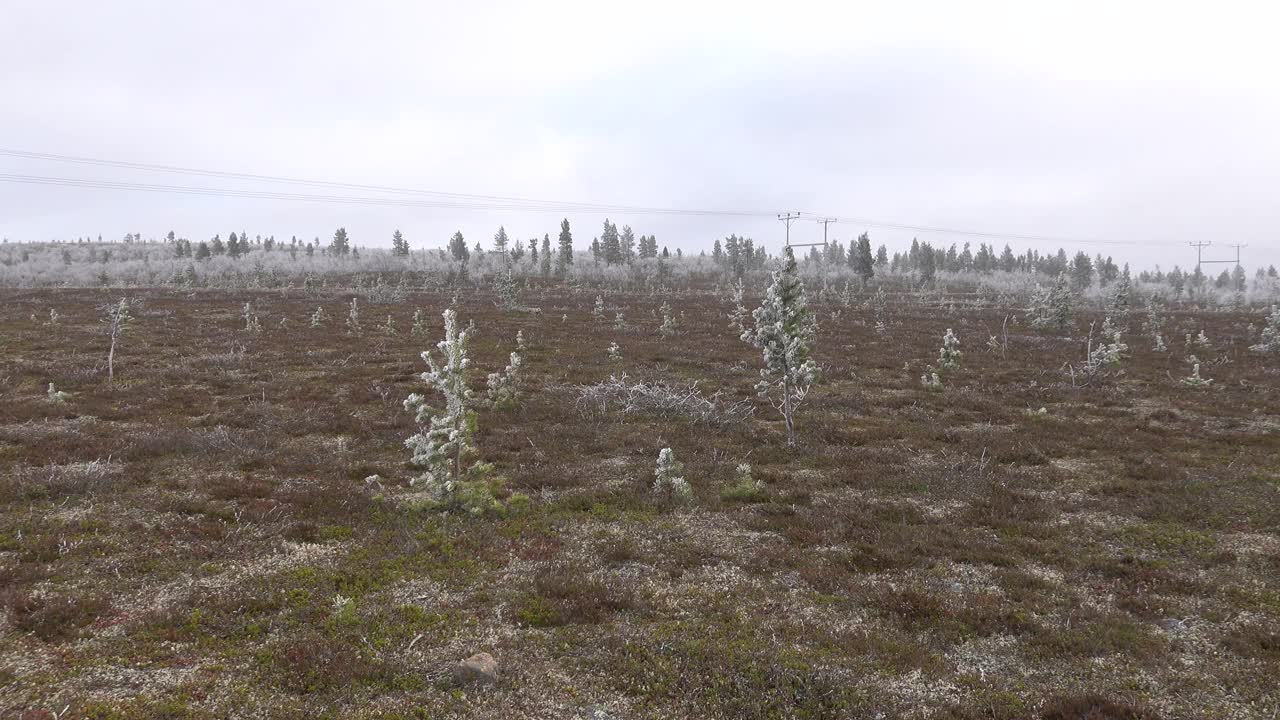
(930, 380)
(319, 317)
(618, 394)
(615, 352)
(1107, 353)
(667, 482)
(389, 327)
(619, 322)
(1194, 379)
(949, 354)
(419, 323)
(56, 396)
(784, 332)
(745, 488)
(597, 311)
(1270, 340)
(251, 323)
(53, 318)
(353, 317)
(503, 388)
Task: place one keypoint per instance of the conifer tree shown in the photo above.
(444, 440)
(341, 244)
(399, 246)
(458, 247)
(564, 256)
(785, 331)
(544, 262)
(500, 240)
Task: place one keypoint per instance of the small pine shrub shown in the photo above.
(1270, 340)
(745, 488)
(504, 387)
(668, 327)
(56, 396)
(949, 355)
(930, 380)
(1194, 379)
(668, 483)
(319, 317)
(353, 317)
(251, 323)
(615, 352)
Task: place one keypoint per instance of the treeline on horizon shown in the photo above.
(736, 255)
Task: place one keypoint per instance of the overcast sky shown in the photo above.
(1124, 122)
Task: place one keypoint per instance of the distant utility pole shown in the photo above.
(1199, 262)
(1199, 245)
(825, 222)
(788, 219)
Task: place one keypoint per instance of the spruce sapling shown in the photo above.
(784, 332)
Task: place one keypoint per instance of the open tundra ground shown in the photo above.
(180, 545)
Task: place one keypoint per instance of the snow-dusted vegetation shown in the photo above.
(861, 480)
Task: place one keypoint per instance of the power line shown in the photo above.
(454, 200)
(558, 205)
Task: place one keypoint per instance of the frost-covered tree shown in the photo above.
(1051, 308)
(619, 322)
(319, 317)
(615, 352)
(389, 328)
(949, 355)
(784, 332)
(738, 315)
(419, 323)
(880, 310)
(508, 295)
(117, 319)
(1270, 340)
(668, 482)
(503, 388)
(1118, 307)
(1108, 352)
(668, 327)
(1154, 323)
(443, 442)
(597, 311)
